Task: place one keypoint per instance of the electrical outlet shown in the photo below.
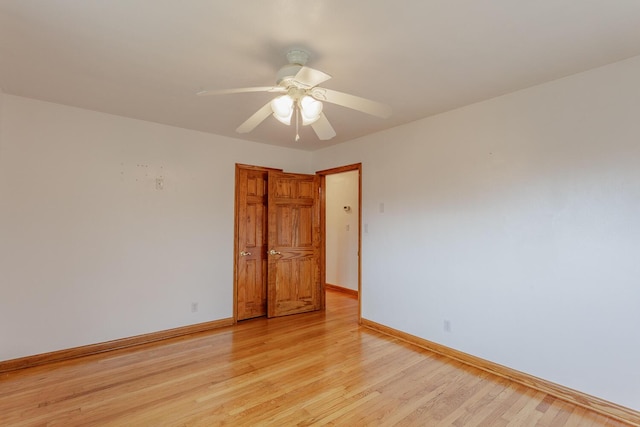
(447, 326)
(194, 307)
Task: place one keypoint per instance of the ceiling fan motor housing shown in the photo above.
(297, 58)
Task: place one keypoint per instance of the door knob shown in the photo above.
(243, 253)
(274, 252)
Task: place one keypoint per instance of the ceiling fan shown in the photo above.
(302, 98)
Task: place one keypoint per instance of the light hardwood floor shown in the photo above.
(310, 369)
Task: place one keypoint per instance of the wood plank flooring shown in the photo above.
(310, 369)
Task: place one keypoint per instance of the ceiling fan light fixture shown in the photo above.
(282, 107)
(310, 110)
(302, 96)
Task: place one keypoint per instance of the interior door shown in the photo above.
(251, 249)
(294, 284)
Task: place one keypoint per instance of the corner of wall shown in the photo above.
(1, 115)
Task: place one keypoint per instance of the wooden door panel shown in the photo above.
(294, 237)
(296, 292)
(306, 190)
(295, 226)
(283, 231)
(283, 189)
(249, 290)
(303, 233)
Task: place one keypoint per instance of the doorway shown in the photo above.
(279, 241)
(341, 227)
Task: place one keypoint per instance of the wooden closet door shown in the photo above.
(251, 264)
(294, 244)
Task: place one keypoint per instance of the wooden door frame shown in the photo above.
(323, 225)
(236, 249)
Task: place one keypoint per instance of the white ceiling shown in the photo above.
(146, 59)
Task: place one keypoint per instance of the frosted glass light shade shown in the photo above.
(282, 107)
(310, 110)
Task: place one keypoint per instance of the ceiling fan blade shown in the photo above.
(257, 118)
(309, 77)
(242, 90)
(351, 101)
(323, 128)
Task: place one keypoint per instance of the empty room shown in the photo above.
(298, 212)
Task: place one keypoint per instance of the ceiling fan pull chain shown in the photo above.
(297, 121)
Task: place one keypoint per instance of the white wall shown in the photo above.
(518, 221)
(90, 250)
(342, 229)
